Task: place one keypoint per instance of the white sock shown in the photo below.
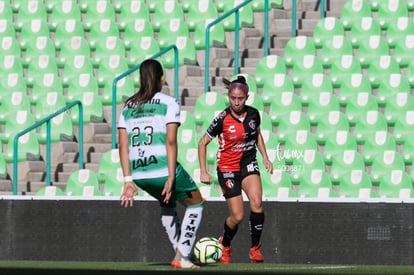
(171, 224)
(189, 227)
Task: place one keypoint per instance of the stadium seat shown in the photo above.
(110, 67)
(403, 127)
(83, 182)
(187, 133)
(14, 101)
(170, 30)
(376, 143)
(100, 31)
(292, 122)
(410, 73)
(267, 67)
(396, 185)
(30, 30)
(108, 164)
(255, 101)
(353, 10)
(199, 11)
(279, 83)
(351, 83)
(61, 128)
(48, 82)
(319, 106)
(346, 64)
(75, 65)
(80, 84)
(371, 48)
(40, 66)
(50, 191)
(131, 11)
(300, 149)
(136, 29)
(112, 45)
(410, 5)
(390, 85)
(92, 108)
(49, 103)
(96, 11)
(313, 183)
(10, 64)
(246, 16)
(207, 105)
(367, 125)
(258, 5)
(325, 29)
(282, 103)
(388, 11)
(381, 68)
(41, 45)
(305, 68)
(28, 148)
(31, 10)
(402, 27)
(313, 85)
(124, 89)
(12, 82)
(265, 121)
(217, 35)
(143, 48)
(6, 11)
(362, 29)
(166, 11)
(7, 28)
(187, 54)
(277, 185)
(407, 152)
(332, 121)
(188, 158)
(66, 31)
(333, 48)
(338, 141)
(114, 183)
(356, 184)
(396, 105)
(15, 122)
(61, 11)
(296, 48)
(404, 50)
(9, 46)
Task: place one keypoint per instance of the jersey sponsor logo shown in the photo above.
(229, 183)
(232, 129)
(144, 162)
(227, 175)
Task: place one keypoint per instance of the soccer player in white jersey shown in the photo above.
(147, 132)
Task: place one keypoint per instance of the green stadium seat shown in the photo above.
(353, 82)
(313, 183)
(124, 90)
(282, 103)
(376, 143)
(49, 103)
(41, 45)
(14, 101)
(362, 29)
(187, 54)
(131, 11)
(320, 105)
(403, 127)
(83, 182)
(396, 105)
(259, 5)
(28, 148)
(108, 165)
(44, 84)
(278, 84)
(326, 28)
(80, 84)
(100, 31)
(15, 122)
(296, 48)
(30, 30)
(265, 121)
(10, 46)
(40, 66)
(246, 15)
(367, 125)
(305, 68)
(75, 65)
(61, 11)
(65, 33)
(342, 66)
(112, 45)
(61, 128)
(13, 82)
(410, 5)
(110, 67)
(188, 158)
(144, 47)
(6, 11)
(10, 64)
(333, 48)
(370, 49)
(114, 183)
(92, 108)
(267, 67)
(207, 105)
(3, 165)
(170, 30)
(402, 27)
(136, 29)
(50, 191)
(96, 11)
(381, 68)
(338, 141)
(345, 163)
(356, 184)
(199, 11)
(292, 122)
(407, 152)
(255, 101)
(7, 28)
(397, 185)
(389, 11)
(31, 10)
(166, 11)
(390, 85)
(300, 148)
(410, 73)
(277, 185)
(217, 34)
(313, 85)
(269, 137)
(353, 10)
(404, 50)
(332, 121)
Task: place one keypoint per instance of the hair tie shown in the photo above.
(238, 85)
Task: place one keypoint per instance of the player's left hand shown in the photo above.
(268, 165)
(127, 196)
(167, 190)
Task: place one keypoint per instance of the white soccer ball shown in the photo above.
(208, 250)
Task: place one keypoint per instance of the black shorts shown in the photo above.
(230, 182)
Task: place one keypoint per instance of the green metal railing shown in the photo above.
(236, 12)
(294, 19)
(48, 142)
(133, 69)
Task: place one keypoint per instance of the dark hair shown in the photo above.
(239, 82)
(150, 73)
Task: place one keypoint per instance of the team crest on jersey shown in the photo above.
(229, 183)
(252, 124)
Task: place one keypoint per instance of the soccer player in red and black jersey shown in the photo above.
(238, 131)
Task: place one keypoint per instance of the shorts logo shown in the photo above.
(228, 175)
(229, 184)
(252, 167)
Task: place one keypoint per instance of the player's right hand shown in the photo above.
(206, 178)
(127, 196)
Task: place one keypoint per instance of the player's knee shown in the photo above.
(237, 218)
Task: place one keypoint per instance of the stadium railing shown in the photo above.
(48, 141)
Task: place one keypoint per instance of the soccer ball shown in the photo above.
(208, 250)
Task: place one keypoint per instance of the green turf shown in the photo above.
(60, 268)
